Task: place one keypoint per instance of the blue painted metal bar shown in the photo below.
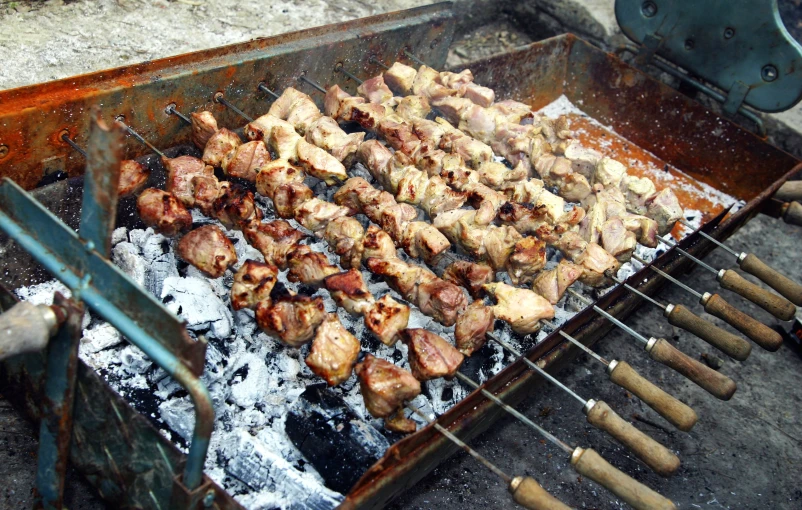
(99, 206)
(112, 295)
(55, 428)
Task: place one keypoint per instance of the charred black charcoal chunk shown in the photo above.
(333, 438)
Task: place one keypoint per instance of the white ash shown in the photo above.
(194, 300)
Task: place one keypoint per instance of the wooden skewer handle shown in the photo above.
(772, 303)
(773, 278)
(793, 214)
(656, 456)
(718, 385)
(791, 190)
(761, 334)
(529, 494)
(676, 412)
(726, 342)
(590, 464)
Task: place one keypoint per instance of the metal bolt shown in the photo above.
(769, 73)
(434, 43)
(208, 499)
(729, 32)
(3, 151)
(689, 44)
(649, 9)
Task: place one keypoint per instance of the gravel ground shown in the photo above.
(743, 454)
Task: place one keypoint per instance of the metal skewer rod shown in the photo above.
(339, 68)
(218, 98)
(636, 291)
(470, 382)
(267, 91)
(139, 137)
(414, 58)
(312, 83)
(66, 138)
(776, 305)
(171, 110)
(374, 60)
(668, 277)
(576, 342)
(711, 238)
(609, 317)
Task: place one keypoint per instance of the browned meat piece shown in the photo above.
(430, 356)
(327, 134)
(162, 211)
(521, 308)
(398, 274)
(282, 107)
(348, 290)
(274, 239)
(482, 96)
(595, 262)
(205, 191)
(204, 125)
(246, 160)
(398, 133)
(235, 207)
(252, 283)
(397, 422)
(208, 249)
(309, 267)
(527, 259)
(422, 240)
(315, 214)
(551, 284)
(289, 197)
(411, 108)
(319, 163)
(344, 236)
(180, 172)
(469, 275)
(375, 90)
(369, 115)
(385, 318)
(334, 351)
(439, 299)
(385, 387)
(664, 208)
(400, 78)
(373, 154)
(220, 144)
(291, 319)
(133, 177)
(275, 173)
(339, 104)
(472, 327)
(378, 244)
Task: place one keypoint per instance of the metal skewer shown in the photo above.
(414, 58)
(312, 83)
(753, 265)
(171, 110)
(218, 98)
(659, 458)
(681, 317)
(267, 91)
(339, 68)
(374, 60)
(730, 280)
(714, 304)
(660, 350)
(66, 138)
(139, 137)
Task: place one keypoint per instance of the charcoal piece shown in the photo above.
(333, 438)
(480, 363)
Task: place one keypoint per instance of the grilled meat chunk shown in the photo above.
(319, 163)
(220, 144)
(469, 275)
(339, 104)
(208, 249)
(470, 333)
(527, 259)
(288, 198)
(246, 160)
(385, 318)
(162, 211)
(252, 283)
(375, 90)
(235, 207)
(274, 239)
(551, 284)
(291, 319)
(204, 125)
(334, 351)
(664, 208)
(400, 78)
(521, 308)
(430, 356)
(276, 173)
(180, 172)
(385, 386)
(378, 244)
(315, 214)
(327, 134)
(345, 237)
(206, 189)
(133, 177)
(398, 422)
(309, 267)
(348, 290)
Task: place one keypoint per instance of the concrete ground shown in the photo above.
(743, 454)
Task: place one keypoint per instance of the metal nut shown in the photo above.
(649, 9)
(689, 44)
(3, 151)
(729, 32)
(769, 73)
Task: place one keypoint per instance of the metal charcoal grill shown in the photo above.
(641, 110)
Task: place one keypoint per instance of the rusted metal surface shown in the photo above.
(99, 209)
(33, 119)
(55, 428)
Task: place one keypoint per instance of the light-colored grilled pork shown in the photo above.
(162, 211)
(208, 249)
(220, 144)
(204, 125)
(246, 160)
(133, 177)
(385, 318)
(400, 78)
(253, 282)
(276, 173)
(469, 275)
(291, 319)
(375, 90)
(309, 267)
(430, 356)
(180, 172)
(274, 239)
(521, 308)
(345, 237)
(206, 189)
(235, 207)
(385, 386)
(349, 291)
(334, 351)
(470, 333)
(552, 284)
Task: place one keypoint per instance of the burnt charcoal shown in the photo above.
(480, 362)
(332, 437)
